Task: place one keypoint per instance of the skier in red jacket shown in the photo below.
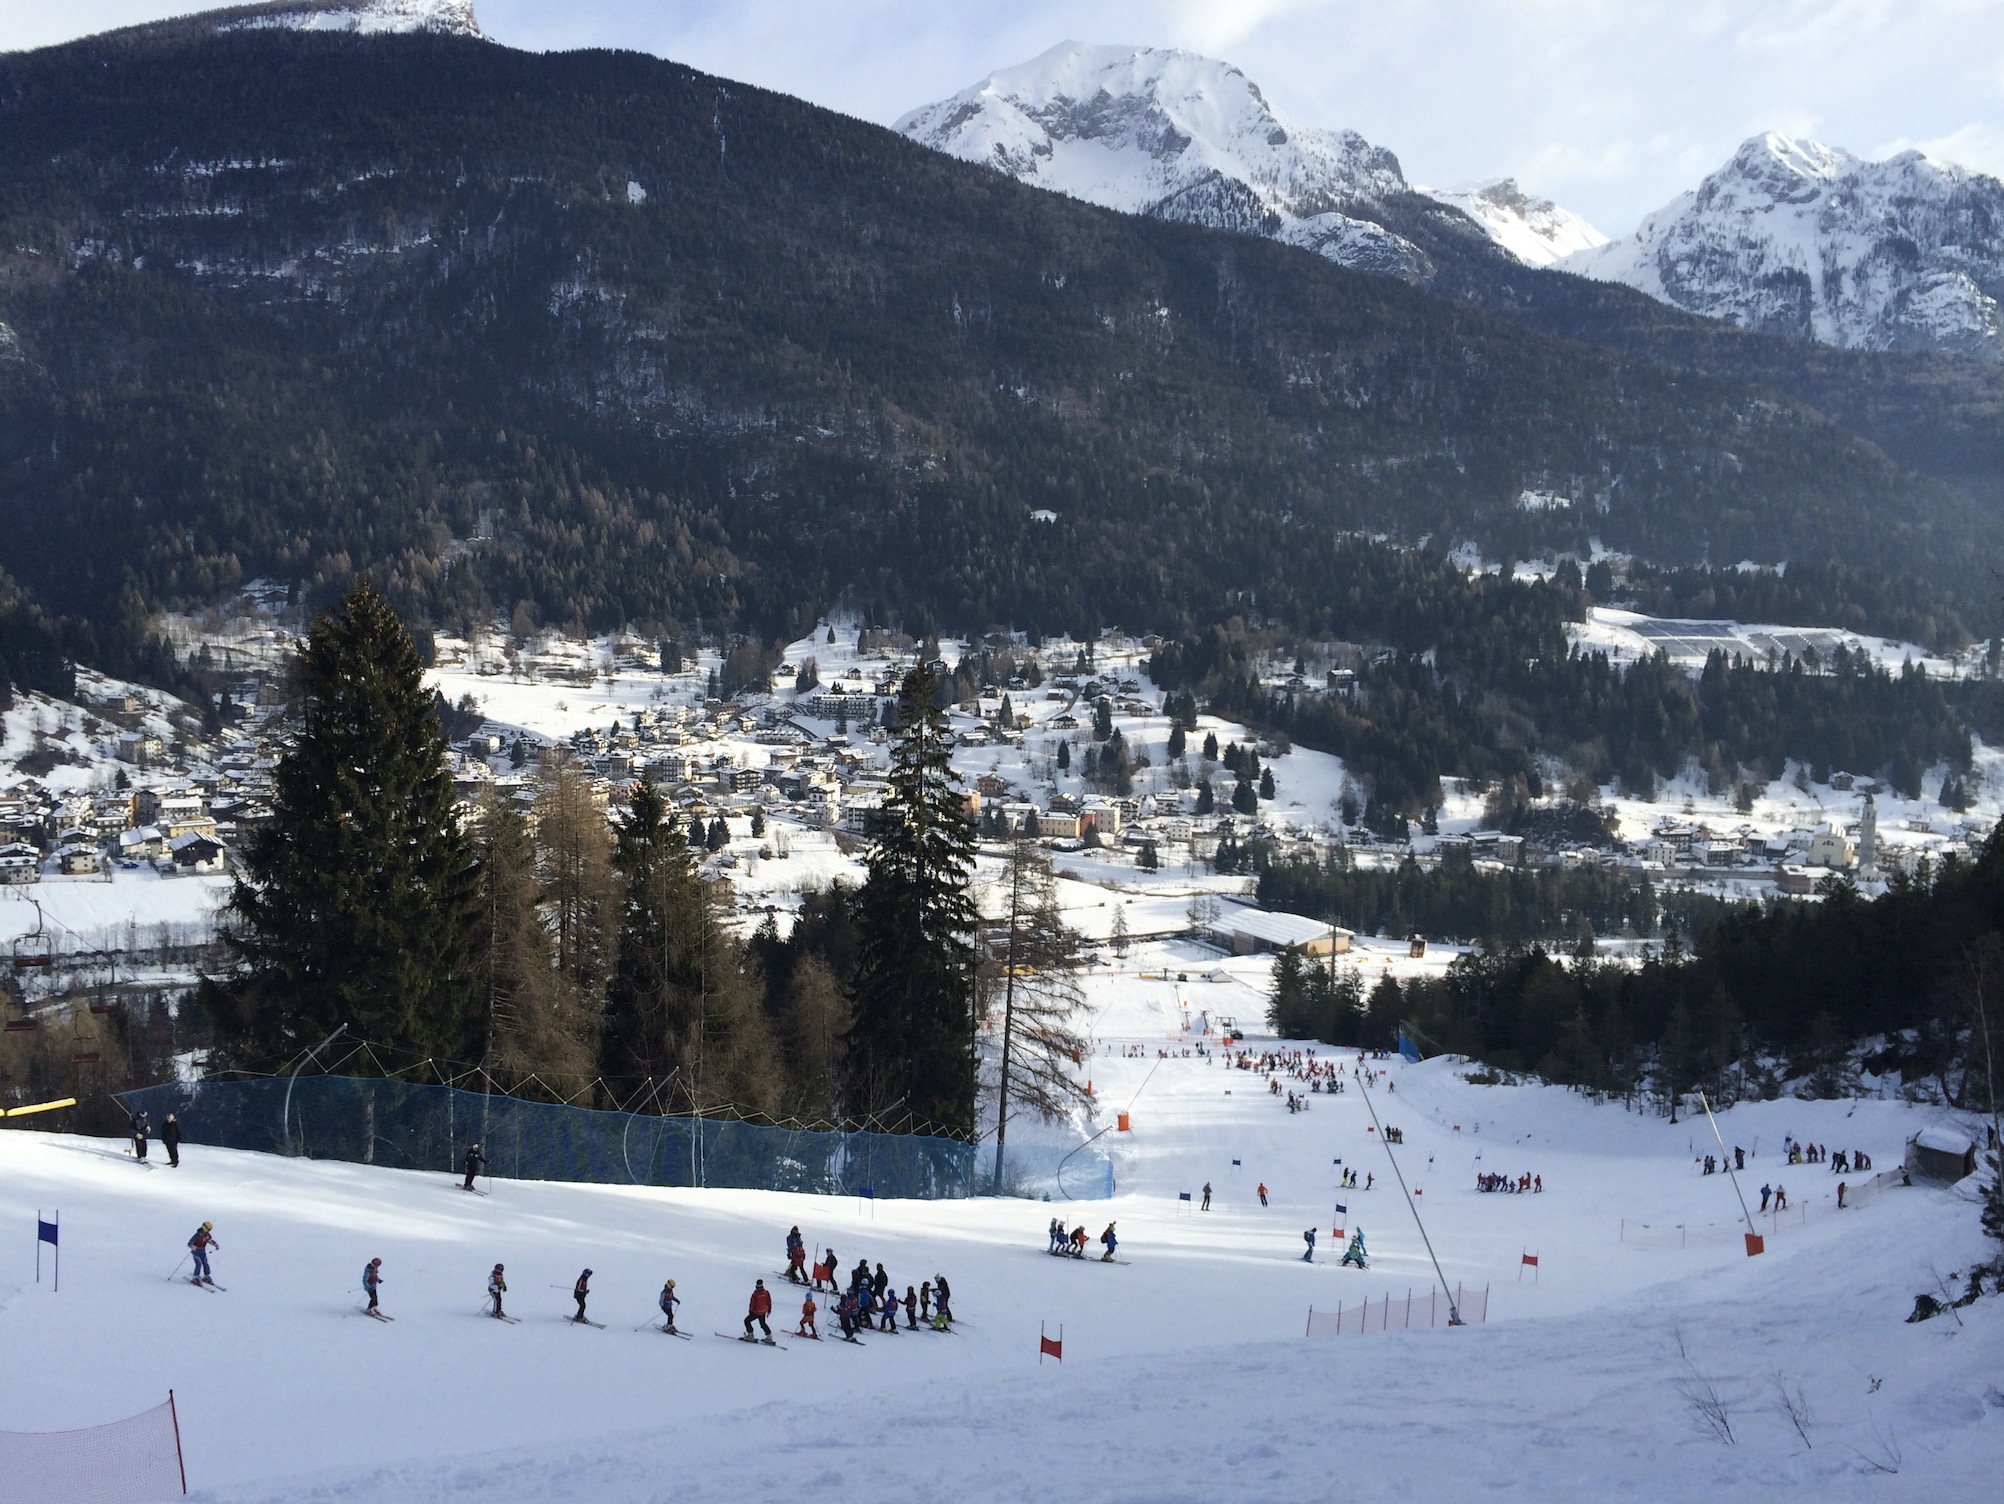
(761, 1307)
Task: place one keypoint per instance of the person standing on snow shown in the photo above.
(911, 1309)
(796, 1257)
(942, 1315)
(170, 1140)
(1262, 1193)
(1111, 1243)
(760, 1308)
(1354, 1254)
(1207, 1197)
(578, 1293)
(1308, 1237)
(199, 1245)
(807, 1311)
(372, 1279)
(1765, 1192)
(474, 1161)
(669, 1300)
(139, 1132)
(496, 1288)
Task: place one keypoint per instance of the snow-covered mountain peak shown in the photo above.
(1795, 237)
(1129, 127)
(454, 17)
(1534, 230)
(1153, 130)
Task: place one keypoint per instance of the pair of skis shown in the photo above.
(754, 1341)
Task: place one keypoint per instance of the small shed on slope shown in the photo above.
(1941, 1154)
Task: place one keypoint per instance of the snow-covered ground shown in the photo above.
(1186, 1374)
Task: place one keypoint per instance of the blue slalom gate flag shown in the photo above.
(1182, 1195)
(1342, 1210)
(1235, 1161)
(47, 1232)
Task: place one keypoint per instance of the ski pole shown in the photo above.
(177, 1267)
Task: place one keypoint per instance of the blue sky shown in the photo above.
(1612, 107)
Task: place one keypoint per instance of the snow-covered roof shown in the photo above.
(1944, 1140)
(1274, 928)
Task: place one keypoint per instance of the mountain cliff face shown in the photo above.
(1792, 237)
(1534, 230)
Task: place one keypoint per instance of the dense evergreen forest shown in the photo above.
(1476, 678)
(593, 339)
(1766, 995)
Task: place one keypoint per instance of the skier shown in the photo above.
(879, 1283)
(139, 1132)
(578, 1293)
(1207, 1197)
(925, 1301)
(1055, 1235)
(796, 1257)
(170, 1140)
(1780, 1197)
(199, 1245)
(1840, 1195)
(372, 1279)
(1262, 1193)
(1308, 1237)
(942, 1314)
(474, 1160)
(1111, 1243)
(496, 1288)
(807, 1327)
(1739, 1157)
(845, 1316)
(825, 1270)
(669, 1300)
(1354, 1254)
(1765, 1192)
(1369, 1176)
(760, 1308)
(911, 1309)
(888, 1322)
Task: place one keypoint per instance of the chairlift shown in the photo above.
(33, 949)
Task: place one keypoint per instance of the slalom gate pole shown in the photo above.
(1453, 1308)
(1727, 1160)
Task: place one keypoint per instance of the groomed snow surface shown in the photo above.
(1186, 1373)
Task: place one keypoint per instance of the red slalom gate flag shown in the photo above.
(1531, 1259)
(1053, 1347)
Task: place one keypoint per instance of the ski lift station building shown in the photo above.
(1246, 932)
(1940, 1153)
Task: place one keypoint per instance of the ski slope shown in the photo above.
(1186, 1373)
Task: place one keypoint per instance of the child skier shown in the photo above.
(1111, 1243)
(942, 1315)
(807, 1327)
(199, 1245)
(1354, 1254)
(496, 1288)
(1262, 1193)
(796, 1257)
(760, 1308)
(372, 1279)
(845, 1315)
(911, 1309)
(669, 1300)
(578, 1293)
(1308, 1237)
(474, 1160)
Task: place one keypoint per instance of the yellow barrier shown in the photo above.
(21, 1112)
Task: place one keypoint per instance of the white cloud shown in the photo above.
(1979, 145)
(1613, 107)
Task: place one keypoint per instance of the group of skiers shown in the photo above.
(170, 1138)
(1527, 1184)
(1072, 1244)
(870, 1302)
(1842, 1162)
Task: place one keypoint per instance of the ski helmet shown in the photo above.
(761, 1284)
(587, 1274)
(671, 1284)
(374, 1262)
(208, 1227)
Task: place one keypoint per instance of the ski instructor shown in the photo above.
(761, 1307)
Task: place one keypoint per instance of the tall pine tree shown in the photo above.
(913, 1037)
(357, 901)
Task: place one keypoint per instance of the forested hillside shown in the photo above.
(592, 338)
